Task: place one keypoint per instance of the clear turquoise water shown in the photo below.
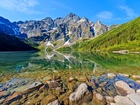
(31, 61)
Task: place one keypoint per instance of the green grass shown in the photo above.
(65, 49)
(125, 37)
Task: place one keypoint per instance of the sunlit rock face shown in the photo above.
(71, 27)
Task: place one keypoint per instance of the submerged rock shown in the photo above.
(109, 99)
(72, 91)
(136, 77)
(13, 97)
(82, 78)
(16, 84)
(72, 79)
(79, 95)
(53, 84)
(49, 99)
(138, 91)
(81, 90)
(34, 86)
(44, 87)
(56, 102)
(123, 100)
(138, 81)
(111, 75)
(123, 88)
(135, 97)
(112, 86)
(4, 94)
(1, 100)
(125, 75)
(100, 98)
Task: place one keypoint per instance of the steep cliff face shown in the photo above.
(100, 28)
(36, 28)
(72, 28)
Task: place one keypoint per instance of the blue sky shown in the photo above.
(107, 11)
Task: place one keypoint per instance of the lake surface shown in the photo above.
(18, 62)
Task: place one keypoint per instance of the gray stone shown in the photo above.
(118, 103)
(136, 77)
(138, 81)
(111, 75)
(53, 84)
(138, 91)
(125, 75)
(56, 102)
(100, 98)
(135, 97)
(82, 89)
(109, 99)
(35, 85)
(123, 87)
(124, 100)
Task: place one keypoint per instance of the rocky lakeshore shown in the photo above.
(107, 89)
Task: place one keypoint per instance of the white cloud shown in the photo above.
(129, 12)
(104, 15)
(24, 6)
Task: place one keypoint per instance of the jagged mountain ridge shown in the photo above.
(71, 27)
(10, 28)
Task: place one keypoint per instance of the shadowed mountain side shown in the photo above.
(12, 43)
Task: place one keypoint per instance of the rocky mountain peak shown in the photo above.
(71, 15)
(99, 22)
(48, 20)
(58, 21)
(84, 19)
(71, 18)
(100, 28)
(70, 27)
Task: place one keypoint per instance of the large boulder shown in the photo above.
(34, 86)
(123, 88)
(82, 94)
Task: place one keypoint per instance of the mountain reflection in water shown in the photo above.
(32, 61)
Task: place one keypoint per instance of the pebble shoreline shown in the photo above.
(107, 89)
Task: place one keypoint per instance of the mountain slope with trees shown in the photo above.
(124, 37)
